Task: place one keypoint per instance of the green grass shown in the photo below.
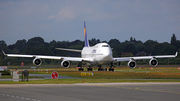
(73, 81)
(122, 74)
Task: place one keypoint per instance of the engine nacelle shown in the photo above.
(132, 64)
(37, 61)
(153, 62)
(65, 64)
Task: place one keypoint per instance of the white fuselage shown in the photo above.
(100, 53)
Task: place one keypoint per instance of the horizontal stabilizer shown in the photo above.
(72, 50)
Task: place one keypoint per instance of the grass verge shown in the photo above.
(73, 81)
(158, 74)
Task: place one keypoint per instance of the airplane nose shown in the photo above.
(107, 54)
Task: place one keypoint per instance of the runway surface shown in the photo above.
(91, 92)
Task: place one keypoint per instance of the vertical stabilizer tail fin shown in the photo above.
(86, 42)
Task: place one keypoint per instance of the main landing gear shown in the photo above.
(105, 69)
(90, 68)
(80, 67)
(100, 68)
(111, 67)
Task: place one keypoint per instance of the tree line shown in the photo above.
(131, 47)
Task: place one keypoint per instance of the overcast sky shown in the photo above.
(63, 20)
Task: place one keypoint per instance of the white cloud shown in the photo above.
(65, 14)
(93, 11)
(120, 18)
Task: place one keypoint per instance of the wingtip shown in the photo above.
(176, 54)
(3, 52)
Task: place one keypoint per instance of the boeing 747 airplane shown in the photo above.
(98, 55)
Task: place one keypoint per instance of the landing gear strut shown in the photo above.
(81, 69)
(111, 67)
(89, 69)
(80, 65)
(100, 68)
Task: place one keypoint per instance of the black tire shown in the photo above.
(89, 69)
(81, 69)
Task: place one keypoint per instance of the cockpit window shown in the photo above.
(105, 46)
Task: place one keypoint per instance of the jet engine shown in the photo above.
(37, 61)
(65, 64)
(153, 62)
(132, 64)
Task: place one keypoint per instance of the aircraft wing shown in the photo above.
(76, 59)
(72, 50)
(143, 57)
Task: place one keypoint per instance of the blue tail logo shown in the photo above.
(85, 36)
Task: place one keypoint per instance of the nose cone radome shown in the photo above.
(107, 54)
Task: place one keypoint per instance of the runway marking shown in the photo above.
(24, 98)
(27, 98)
(137, 89)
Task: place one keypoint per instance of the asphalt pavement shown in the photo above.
(91, 92)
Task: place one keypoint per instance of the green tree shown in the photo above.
(94, 41)
(173, 40)
(36, 41)
(131, 38)
(149, 44)
(116, 46)
(18, 47)
(140, 47)
(129, 47)
(114, 43)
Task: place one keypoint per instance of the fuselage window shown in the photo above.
(104, 45)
